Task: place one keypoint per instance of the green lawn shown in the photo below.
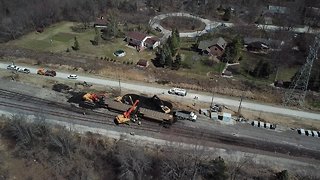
(59, 37)
(250, 60)
(63, 37)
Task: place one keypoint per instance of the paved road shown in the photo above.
(211, 25)
(143, 88)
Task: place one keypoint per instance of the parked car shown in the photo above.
(120, 53)
(24, 70)
(12, 67)
(72, 76)
(157, 29)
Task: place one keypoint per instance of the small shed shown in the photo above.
(143, 63)
(214, 116)
(204, 112)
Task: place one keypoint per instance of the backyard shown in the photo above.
(60, 37)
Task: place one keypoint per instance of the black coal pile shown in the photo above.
(146, 102)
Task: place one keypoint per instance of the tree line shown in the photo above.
(168, 55)
(18, 17)
(67, 155)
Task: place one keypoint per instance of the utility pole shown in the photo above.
(119, 85)
(239, 108)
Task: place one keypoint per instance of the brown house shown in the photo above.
(142, 41)
(100, 23)
(213, 47)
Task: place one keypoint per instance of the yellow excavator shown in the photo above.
(125, 117)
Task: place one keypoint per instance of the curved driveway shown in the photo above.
(211, 25)
(149, 89)
(155, 22)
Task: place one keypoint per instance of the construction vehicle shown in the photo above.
(159, 102)
(118, 99)
(125, 117)
(93, 100)
(185, 115)
(42, 71)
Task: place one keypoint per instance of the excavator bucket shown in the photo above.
(165, 109)
(118, 99)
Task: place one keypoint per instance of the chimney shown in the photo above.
(101, 17)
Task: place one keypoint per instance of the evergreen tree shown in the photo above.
(176, 32)
(233, 51)
(97, 36)
(283, 175)
(76, 44)
(168, 61)
(227, 15)
(174, 42)
(162, 58)
(177, 63)
(215, 169)
(237, 46)
(262, 69)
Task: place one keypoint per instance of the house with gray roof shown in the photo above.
(214, 47)
(261, 44)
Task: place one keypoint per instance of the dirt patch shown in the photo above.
(183, 24)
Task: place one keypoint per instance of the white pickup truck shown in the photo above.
(178, 91)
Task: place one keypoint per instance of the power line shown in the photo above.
(297, 91)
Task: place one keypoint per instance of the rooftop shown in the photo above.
(137, 35)
(208, 43)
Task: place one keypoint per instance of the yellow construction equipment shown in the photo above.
(41, 71)
(125, 117)
(118, 99)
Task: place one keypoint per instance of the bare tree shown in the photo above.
(134, 162)
(239, 165)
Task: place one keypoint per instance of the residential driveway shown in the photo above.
(155, 22)
(151, 89)
(211, 25)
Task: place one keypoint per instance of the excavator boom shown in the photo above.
(125, 117)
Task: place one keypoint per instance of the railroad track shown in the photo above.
(75, 113)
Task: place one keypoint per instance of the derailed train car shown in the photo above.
(144, 113)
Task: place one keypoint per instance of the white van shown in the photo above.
(178, 91)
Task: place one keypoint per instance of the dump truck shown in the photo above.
(44, 72)
(160, 103)
(185, 115)
(125, 117)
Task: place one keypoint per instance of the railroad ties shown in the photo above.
(145, 113)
